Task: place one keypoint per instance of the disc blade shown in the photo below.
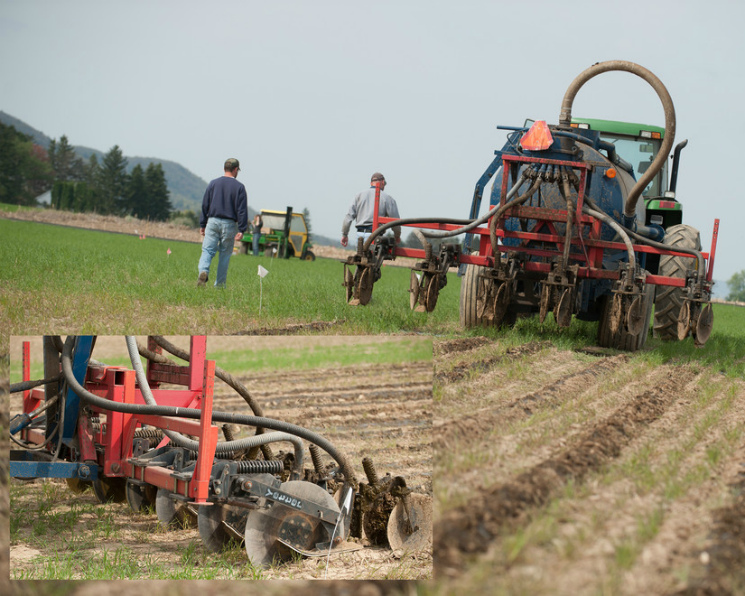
(412, 532)
(413, 289)
(704, 325)
(563, 312)
(545, 302)
(366, 286)
(684, 321)
(297, 530)
(635, 317)
(348, 283)
(219, 524)
(501, 302)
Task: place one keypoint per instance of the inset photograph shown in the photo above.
(221, 457)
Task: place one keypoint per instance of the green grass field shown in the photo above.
(63, 280)
(58, 279)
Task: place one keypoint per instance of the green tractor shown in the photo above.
(638, 145)
(283, 235)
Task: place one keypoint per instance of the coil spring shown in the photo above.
(259, 466)
(315, 455)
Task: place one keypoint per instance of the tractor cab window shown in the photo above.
(275, 222)
(640, 153)
(297, 224)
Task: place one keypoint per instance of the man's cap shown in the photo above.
(231, 164)
(376, 177)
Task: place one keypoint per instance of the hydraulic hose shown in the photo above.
(570, 215)
(700, 265)
(195, 414)
(503, 208)
(220, 374)
(565, 118)
(619, 229)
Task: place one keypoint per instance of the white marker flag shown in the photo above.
(262, 274)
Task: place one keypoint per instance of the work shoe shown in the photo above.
(202, 280)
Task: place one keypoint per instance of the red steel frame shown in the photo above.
(116, 433)
(592, 246)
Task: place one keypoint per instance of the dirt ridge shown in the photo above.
(471, 528)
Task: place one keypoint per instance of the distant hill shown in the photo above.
(186, 189)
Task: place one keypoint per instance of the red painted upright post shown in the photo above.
(26, 360)
(376, 184)
(200, 480)
(712, 252)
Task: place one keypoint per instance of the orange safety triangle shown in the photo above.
(538, 137)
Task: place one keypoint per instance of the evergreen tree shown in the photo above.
(112, 182)
(137, 197)
(159, 203)
(92, 181)
(66, 165)
(306, 215)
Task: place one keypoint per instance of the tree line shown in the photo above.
(28, 170)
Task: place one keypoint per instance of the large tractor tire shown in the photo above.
(243, 248)
(669, 299)
(622, 339)
(469, 290)
(309, 256)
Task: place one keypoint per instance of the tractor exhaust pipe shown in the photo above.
(565, 118)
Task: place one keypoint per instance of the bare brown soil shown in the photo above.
(383, 412)
(581, 473)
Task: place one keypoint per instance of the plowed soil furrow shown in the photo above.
(366, 373)
(550, 395)
(472, 528)
(461, 371)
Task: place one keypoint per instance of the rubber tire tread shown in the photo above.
(468, 292)
(669, 299)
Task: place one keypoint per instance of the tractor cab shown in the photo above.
(638, 145)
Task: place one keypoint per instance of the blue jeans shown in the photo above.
(219, 236)
(256, 238)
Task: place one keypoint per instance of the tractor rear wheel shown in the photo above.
(469, 290)
(669, 299)
(243, 248)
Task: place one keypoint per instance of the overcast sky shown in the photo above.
(313, 97)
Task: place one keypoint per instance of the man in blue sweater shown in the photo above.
(224, 220)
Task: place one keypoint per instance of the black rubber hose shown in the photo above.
(565, 117)
(195, 414)
(700, 270)
(26, 385)
(220, 374)
(498, 213)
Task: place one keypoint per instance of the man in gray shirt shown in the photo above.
(363, 209)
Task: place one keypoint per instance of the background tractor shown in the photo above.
(284, 235)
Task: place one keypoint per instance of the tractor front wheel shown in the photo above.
(309, 256)
(669, 299)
